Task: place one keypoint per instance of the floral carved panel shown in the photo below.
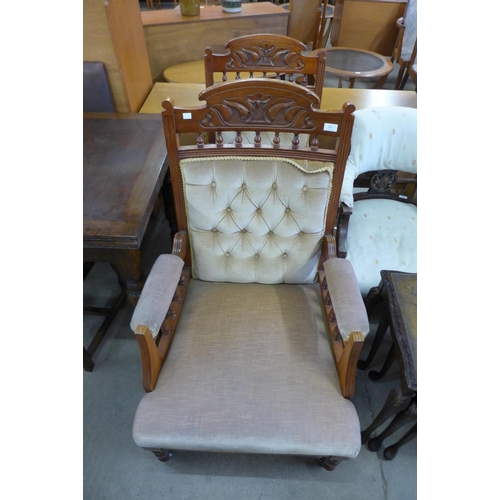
(258, 108)
(265, 54)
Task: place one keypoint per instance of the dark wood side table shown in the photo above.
(123, 171)
(398, 291)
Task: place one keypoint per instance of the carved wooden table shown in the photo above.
(123, 171)
(398, 291)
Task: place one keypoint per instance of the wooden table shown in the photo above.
(194, 72)
(186, 94)
(123, 170)
(398, 293)
(356, 63)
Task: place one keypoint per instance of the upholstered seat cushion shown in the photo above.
(250, 370)
(382, 235)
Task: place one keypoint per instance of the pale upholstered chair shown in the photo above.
(411, 69)
(268, 322)
(377, 227)
(407, 39)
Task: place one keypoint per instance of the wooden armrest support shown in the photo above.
(150, 357)
(154, 352)
(347, 365)
(180, 245)
(343, 225)
(157, 312)
(346, 351)
(329, 246)
(328, 250)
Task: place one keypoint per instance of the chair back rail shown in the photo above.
(270, 55)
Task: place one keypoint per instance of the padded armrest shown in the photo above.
(346, 298)
(157, 294)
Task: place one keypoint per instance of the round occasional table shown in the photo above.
(356, 63)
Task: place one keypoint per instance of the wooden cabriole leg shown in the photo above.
(373, 298)
(88, 364)
(396, 402)
(374, 375)
(379, 336)
(391, 451)
(402, 418)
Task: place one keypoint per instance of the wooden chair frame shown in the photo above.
(273, 55)
(235, 106)
(410, 69)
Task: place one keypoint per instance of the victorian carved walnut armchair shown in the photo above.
(264, 355)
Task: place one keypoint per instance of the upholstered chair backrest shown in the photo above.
(254, 211)
(410, 33)
(256, 219)
(383, 138)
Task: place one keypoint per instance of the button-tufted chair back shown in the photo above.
(257, 212)
(256, 219)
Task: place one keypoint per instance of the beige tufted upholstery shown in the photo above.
(382, 233)
(243, 233)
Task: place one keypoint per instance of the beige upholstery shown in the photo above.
(256, 220)
(227, 383)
